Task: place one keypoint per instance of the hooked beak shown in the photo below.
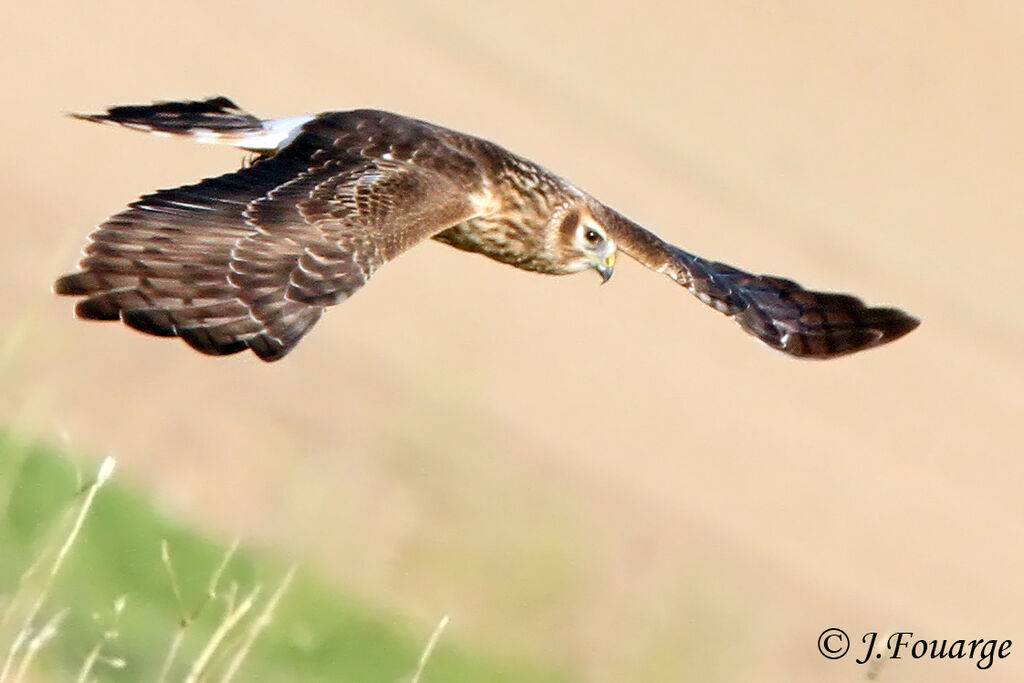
(606, 268)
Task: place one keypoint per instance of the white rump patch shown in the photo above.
(276, 134)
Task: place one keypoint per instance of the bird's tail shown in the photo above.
(216, 120)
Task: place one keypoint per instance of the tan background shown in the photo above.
(612, 479)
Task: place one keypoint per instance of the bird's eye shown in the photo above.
(592, 236)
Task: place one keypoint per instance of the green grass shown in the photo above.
(316, 633)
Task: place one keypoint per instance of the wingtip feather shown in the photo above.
(69, 285)
(94, 118)
(895, 323)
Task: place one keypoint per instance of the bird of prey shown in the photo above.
(250, 259)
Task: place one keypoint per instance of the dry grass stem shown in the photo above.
(429, 649)
(104, 473)
(165, 558)
(256, 627)
(234, 615)
(185, 618)
(36, 643)
(96, 653)
(218, 573)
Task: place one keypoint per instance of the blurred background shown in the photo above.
(612, 481)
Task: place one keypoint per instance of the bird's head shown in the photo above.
(585, 243)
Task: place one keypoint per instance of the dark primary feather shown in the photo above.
(779, 312)
(164, 266)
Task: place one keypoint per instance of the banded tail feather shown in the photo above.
(217, 120)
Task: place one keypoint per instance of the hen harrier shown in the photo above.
(250, 260)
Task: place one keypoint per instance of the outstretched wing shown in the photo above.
(249, 260)
(779, 312)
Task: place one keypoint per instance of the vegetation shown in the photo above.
(96, 585)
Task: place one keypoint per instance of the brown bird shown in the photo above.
(250, 260)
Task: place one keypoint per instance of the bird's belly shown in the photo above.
(500, 240)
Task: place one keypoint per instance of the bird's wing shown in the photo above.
(250, 259)
(779, 312)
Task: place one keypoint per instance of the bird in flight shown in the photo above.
(251, 259)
